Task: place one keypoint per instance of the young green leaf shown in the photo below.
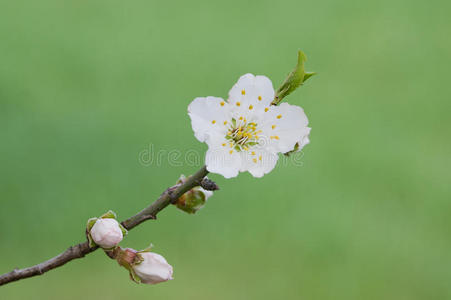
(295, 79)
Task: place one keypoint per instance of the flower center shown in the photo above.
(242, 135)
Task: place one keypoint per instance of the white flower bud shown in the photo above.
(106, 233)
(153, 269)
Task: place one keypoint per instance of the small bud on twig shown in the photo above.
(153, 268)
(144, 266)
(105, 231)
(195, 199)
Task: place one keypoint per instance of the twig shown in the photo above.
(80, 250)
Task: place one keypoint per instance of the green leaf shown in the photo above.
(133, 275)
(91, 223)
(295, 149)
(91, 242)
(307, 75)
(124, 231)
(294, 80)
(109, 215)
(148, 249)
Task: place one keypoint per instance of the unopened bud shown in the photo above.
(144, 266)
(153, 268)
(194, 199)
(105, 231)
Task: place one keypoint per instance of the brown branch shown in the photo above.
(78, 251)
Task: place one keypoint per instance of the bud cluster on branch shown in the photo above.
(144, 266)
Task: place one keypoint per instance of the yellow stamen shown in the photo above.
(225, 122)
(266, 109)
(259, 98)
(241, 118)
(260, 157)
(243, 92)
(214, 121)
(276, 137)
(251, 107)
(273, 126)
(231, 151)
(238, 104)
(223, 144)
(279, 116)
(222, 103)
(254, 160)
(253, 152)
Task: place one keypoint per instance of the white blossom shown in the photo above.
(153, 269)
(246, 132)
(106, 233)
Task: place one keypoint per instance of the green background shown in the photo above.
(86, 86)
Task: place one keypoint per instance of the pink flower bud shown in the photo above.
(153, 269)
(106, 233)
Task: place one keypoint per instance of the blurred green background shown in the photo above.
(86, 86)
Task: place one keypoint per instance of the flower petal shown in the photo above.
(208, 116)
(250, 95)
(284, 126)
(264, 89)
(258, 161)
(222, 159)
(304, 139)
